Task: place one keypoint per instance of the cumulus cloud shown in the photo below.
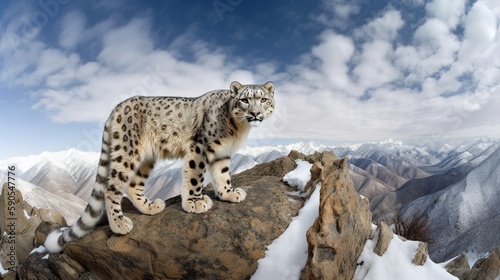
(449, 11)
(384, 28)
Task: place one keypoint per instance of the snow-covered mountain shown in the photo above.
(466, 214)
(391, 202)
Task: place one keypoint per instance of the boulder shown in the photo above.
(421, 254)
(384, 238)
(339, 234)
(224, 243)
(459, 266)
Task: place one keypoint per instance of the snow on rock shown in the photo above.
(300, 176)
(283, 261)
(39, 249)
(396, 262)
(26, 214)
(2, 270)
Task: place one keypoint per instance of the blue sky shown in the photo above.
(345, 71)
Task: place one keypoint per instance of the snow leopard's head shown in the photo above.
(252, 103)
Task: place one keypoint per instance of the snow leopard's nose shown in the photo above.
(255, 114)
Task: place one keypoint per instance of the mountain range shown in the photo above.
(454, 183)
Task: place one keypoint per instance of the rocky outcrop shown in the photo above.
(486, 268)
(224, 243)
(459, 266)
(339, 234)
(19, 221)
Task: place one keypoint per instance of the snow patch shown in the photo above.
(284, 260)
(299, 176)
(396, 263)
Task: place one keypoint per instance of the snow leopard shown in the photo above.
(204, 130)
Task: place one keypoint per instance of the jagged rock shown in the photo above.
(224, 243)
(486, 268)
(16, 225)
(421, 254)
(384, 238)
(276, 168)
(459, 266)
(338, 235)
(36, 267)
(318, 160)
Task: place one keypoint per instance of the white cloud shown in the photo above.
(375, 68)
(127, 47)
(337, 12)
(384, 28)
(448, 11)
(73, 25)
(480, 33)
(334, 52)
(432, 52)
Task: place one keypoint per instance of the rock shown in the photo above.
(276, 168)
(339, 234)
(318, 160)
(18, 242)
(36, 267)
(459, 266)
(384, 238)
(486, 268)
(20, 219)
(224, 243)
(421, 254)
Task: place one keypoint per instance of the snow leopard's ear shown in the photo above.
(269, 86)
(235, 88)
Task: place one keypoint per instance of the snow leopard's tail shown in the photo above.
(95, 208)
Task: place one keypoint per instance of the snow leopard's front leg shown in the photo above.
(221, 178)
(193, 201)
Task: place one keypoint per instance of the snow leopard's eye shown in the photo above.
(264, 100)
(244, 100)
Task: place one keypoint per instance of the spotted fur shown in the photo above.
(205, 131)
